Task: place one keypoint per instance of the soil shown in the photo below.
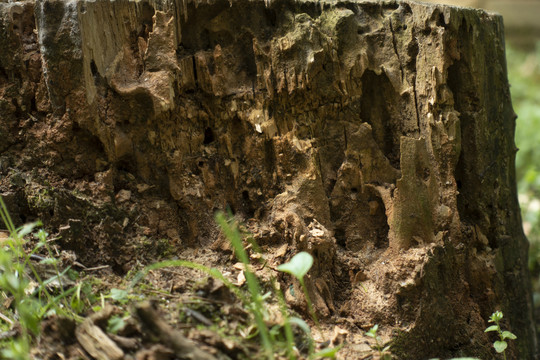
(363, 133)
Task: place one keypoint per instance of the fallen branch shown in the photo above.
(94, 340)
(149, 316)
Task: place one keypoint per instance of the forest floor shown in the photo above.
(98, 314)
(80, 292)
(189, 304)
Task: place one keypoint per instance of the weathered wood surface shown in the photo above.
(152, 322)
(95, 341)
(376, 135)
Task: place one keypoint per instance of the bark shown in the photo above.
(376, 135)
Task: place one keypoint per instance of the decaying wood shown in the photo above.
(376, 135)
(126, 343)
(94, 340)
(154, 324)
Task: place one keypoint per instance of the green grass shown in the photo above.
(32, 295)
(277, 339)
(34, 298)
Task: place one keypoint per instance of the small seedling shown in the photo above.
(299, 267)
(500, 345)
(379, 347)
(256, 303)
(230, 229)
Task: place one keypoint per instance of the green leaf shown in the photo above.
(298, 266)
(328, 352)
(57, 277)
(373, 331)
(496, 316)
(16, 349)
(77, 304)
(301, 324)
(29, 314)
(115, 324)
(49, 261)
(275, 331)
(42, 236)
(492, 328)
(26, 229)
(11, 282)
(508, 335)
(119, 295)
(500, 346)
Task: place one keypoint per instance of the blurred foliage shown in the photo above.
(524, 77)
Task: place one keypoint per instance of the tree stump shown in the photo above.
(377, 135)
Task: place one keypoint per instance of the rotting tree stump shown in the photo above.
(376, 135)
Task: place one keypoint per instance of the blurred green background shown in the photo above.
(524, 76)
